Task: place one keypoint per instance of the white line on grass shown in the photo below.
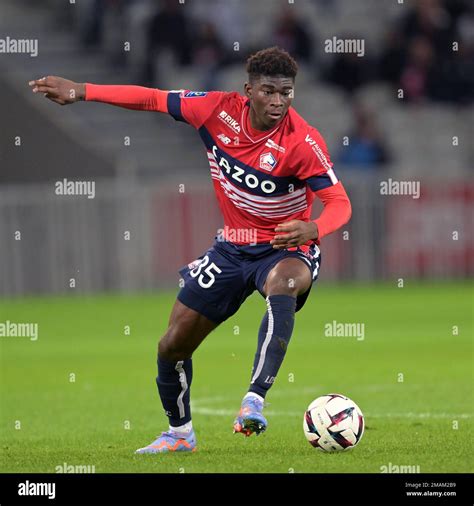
(313, 390)
(201, 410)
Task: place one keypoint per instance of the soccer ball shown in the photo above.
(333, 423)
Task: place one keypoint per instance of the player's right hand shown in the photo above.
(59, 90)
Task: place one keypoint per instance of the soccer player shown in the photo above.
(267, 165)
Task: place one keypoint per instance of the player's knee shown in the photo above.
(283, 284)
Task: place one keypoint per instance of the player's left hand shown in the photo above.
(294, 233)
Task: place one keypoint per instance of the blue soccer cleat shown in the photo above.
(171, 442)
(250, 418)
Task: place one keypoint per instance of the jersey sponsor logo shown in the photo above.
(229, 121)
(274, 145)
(267, 162)
(191, 94)
(242, 176)
(318, 151)
(224, 139)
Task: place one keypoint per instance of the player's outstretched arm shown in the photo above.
(63, 91)
(59, 90)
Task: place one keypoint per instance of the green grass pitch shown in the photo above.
(112, 407)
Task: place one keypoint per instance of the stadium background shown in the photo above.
(140, 161)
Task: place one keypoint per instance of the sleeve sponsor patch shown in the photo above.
(190, 94)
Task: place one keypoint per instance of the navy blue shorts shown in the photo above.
(218, 282)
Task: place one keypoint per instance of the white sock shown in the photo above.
(253, 394)
(182, 429)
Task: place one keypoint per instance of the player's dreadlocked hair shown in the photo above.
(272, 61)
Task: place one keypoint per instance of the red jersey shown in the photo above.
(260, 178)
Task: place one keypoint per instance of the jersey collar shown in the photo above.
(243, 122)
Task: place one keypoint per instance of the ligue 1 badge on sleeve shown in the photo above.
(191, 94)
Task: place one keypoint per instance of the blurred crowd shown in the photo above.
(428, 52)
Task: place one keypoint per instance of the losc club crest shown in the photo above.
(267, 162)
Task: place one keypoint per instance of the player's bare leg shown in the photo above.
(289, 278)
(186, 330)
